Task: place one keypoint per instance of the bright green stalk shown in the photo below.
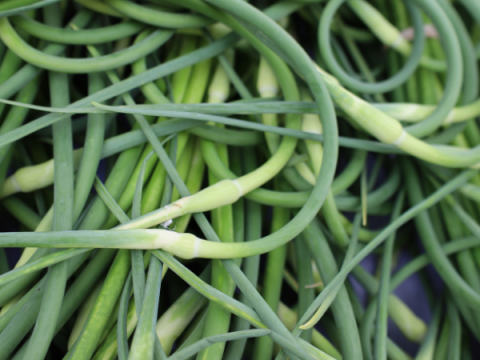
(184, 161)
(383, 299)
(441, 349)
(86, 344)
(82, 37)
(312, 123)
(16, 116)
(341, 307)
(108, 349)
(143, 341)
(427, 348)
(100, 7)
(79, 289)
(156, 17)
(218, 319)
(55, 63)
(387, 33)
(272, 284)
(174, 321)
(248, 226)
(454, 343)
(94, 138)
(267, 86)
(126, 198)
(441, 262)
(83, 314)
(193, 183)
(180, 78)
(112, 91)
(63, 214)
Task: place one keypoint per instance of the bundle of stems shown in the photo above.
(212, 179)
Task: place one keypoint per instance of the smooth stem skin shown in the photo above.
(62, 212)
(327, 168)
(25, 313)
(143, 341)
(21, 212)
(230, 265)
(218, 319)
(287, 84)
(289, 317)
(251, 216)
(441, 349)
(180, 78)
(272, 283)
(116, 182)
(9, 292)
(109, 349)
(151, 200)
(389, 35)
(100, 7)
(470, 74)
(227, 302)
(16, 115)
(409, 324)
(205, 342)
(465, 261)
(153, 190)
(169, 326)
(331, 288)
(156, 17)
(126, 198)
(77, 66)
(455, 336)
(82, 37)
(184, 161)
(86, 344)
(20, 5)
(29, 254)
(380, 340)
(94, 138)
(427, 234)
(329, 210)
(8, 67)
(138, 266)
(83, 314)
(366, 330)
(341, 306)
(328, 271)
(427, 348)
(359, 59)
(194, 332)
(28, 71)
(267, 87)
(193, 183)
(305, 278)
(126, 85)
(248, 14)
